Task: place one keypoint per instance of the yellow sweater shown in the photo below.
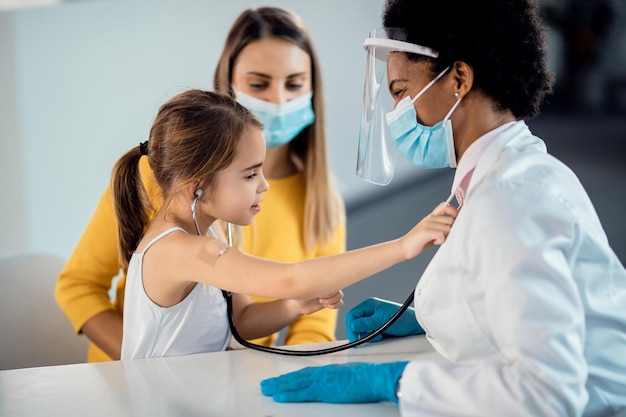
(83, 286)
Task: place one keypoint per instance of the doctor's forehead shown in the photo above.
(401, 69)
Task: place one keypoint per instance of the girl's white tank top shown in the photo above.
(197, 324)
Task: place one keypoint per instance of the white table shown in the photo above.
(210, 384)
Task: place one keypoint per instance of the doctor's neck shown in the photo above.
(477, 114)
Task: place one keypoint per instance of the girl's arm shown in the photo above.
(254, 320)
(201, 259)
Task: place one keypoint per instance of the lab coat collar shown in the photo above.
(481, 154)
(474, 152)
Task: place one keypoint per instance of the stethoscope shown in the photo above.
(281, 351)
(228, 296)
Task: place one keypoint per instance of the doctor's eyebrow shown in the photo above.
(396, 80)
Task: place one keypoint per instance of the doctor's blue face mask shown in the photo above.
(425, 146)
(385, 130)
(281, 122)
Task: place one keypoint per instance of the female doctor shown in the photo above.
(525, 299)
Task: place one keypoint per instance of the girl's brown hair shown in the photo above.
(193, 137)
(324, 210)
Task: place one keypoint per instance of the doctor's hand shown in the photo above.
(372, 313)
(431, 230)
(355, 382)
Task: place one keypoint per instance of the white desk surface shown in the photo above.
(210, 384)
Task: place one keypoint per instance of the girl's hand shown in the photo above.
(333, 301)
(312, 305)
(432, 230)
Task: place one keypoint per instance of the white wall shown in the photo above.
(12, 216)
(81, 82)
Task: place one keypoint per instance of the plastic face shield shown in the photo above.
(376, 158)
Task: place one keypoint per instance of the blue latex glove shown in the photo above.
(354, 382)
(372, 313)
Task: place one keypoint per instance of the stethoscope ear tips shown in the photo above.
(198, 193)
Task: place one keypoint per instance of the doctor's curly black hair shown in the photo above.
(504, 42)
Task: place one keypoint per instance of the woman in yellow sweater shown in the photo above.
(268, 62)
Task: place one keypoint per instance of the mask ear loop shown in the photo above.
(448, 126)
(430, 84)
(458, 101)
(408, 102)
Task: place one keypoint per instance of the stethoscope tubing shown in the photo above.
(289, 352)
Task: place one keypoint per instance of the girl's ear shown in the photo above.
(193, 190)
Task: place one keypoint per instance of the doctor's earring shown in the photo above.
(456, 94)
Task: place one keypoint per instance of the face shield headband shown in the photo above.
(376, 158)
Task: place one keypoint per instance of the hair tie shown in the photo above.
(143, 148)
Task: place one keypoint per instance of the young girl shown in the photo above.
(207, 153)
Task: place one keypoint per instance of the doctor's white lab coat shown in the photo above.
(525, 298)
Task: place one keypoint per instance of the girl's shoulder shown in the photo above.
(154, 235)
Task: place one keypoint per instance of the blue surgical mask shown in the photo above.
(281, 122)
(424, 146)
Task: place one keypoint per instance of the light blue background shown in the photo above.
(81, 83)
